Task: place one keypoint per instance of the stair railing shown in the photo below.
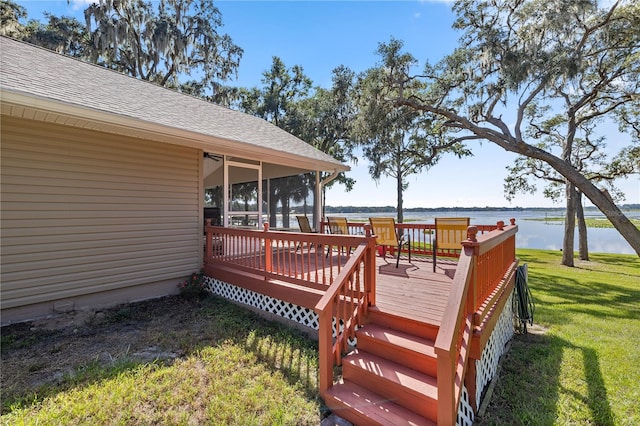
(343, 307)
(484, 262)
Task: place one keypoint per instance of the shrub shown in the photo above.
(194, 285)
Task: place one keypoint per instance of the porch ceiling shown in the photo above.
(214, 173)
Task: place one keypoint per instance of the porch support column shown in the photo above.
(320, 187)
(318, 202)
(259, 207)
(268, 201)
(225, 193)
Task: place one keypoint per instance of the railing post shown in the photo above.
(208, 242)
(325, 350)
(370, 265)
(268, 251)
(446, 389)
(472, 238)
(513, 246)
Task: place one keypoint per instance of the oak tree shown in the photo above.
(281, 88)
(326, 121)
(163, 42)
(397, 141)
(520, 63)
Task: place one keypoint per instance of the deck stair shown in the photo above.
(390, 378)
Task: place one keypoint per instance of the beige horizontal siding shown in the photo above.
(85, 212)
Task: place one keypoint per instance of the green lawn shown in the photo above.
(240, 369)
(583, 368)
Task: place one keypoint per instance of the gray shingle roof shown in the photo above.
(40, 73)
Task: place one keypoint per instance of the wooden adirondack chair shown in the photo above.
(450, 232)
(384, 228)
(305, 226)
(337, 226)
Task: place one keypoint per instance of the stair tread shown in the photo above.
(399, 322)
(402, 375)
(373, 406)
(399, 338)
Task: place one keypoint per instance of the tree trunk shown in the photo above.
(583, 247)
(606, 205)
(399, 198)
(569, 226)
(246, 209)
(286, 207)
(273, 207)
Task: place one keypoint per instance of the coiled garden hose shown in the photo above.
(523, 304)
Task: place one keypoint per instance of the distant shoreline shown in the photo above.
(391, 209)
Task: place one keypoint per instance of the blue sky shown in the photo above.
(321, 35)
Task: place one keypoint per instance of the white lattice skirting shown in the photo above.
(487, 366)
(290, 311)
(286, 310)
(465, 415)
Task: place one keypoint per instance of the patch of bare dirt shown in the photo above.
(44, 352)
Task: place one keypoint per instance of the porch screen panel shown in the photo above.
(84, 212)
(245, 195)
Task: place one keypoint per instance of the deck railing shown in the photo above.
(308, 260)
(485, 263)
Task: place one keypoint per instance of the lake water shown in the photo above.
(531, 233)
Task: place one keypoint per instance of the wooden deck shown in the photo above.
(414, 326)
(412, 290)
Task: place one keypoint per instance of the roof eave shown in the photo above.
(39, 108)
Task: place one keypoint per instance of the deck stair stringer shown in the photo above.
(390, 377)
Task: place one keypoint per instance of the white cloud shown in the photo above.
(81, 4)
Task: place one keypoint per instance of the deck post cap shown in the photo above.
(472, 232)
